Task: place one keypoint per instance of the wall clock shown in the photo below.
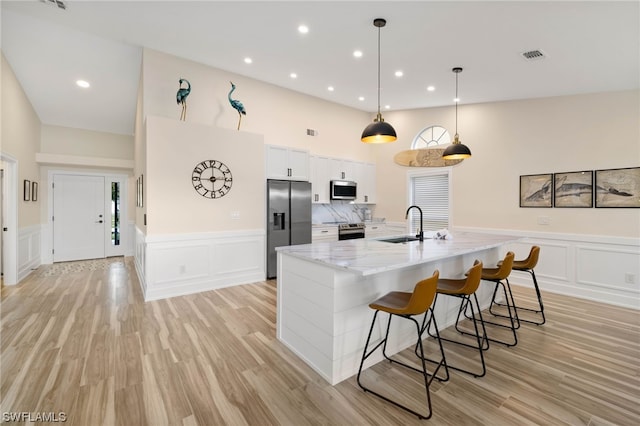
(212, 179)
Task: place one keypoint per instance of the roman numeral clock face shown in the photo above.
(212, 179)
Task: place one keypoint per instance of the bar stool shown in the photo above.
(527, 265)
(499, 276)
(464, 289)
(407, 305)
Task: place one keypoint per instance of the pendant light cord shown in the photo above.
(378, 72)
(457, 100)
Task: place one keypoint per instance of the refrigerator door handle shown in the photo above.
(278, 221)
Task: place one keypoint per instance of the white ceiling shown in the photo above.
(590, 47)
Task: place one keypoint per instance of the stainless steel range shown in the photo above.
(350, 231)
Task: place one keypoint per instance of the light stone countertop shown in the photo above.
(370, 256)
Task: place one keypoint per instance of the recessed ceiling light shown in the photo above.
(361, 98)
(293, 75)
(82, 83)
(303, 29)
(399, 73)
(357, 53)
(248, 60)
(456, 99)
(330, 88)
(431, 88)
(387, 107)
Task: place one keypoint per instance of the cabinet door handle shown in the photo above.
(342, 175)
(317, 197)
(324, 232)
(366, 198)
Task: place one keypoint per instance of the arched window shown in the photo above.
(430, 137)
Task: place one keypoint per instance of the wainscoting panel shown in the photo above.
(29, 250)
(594, 267)
(182, 264)
(590, 273)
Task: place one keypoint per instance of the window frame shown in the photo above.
(440, 171)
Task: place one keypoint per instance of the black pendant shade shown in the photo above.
(379, 131)
(457, 150)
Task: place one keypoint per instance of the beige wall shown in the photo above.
(85, 143)
(20, 139)
(509, 139)
(281, 115)
(173, 205)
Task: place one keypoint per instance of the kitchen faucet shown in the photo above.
(420, 234)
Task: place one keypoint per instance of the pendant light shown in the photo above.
(457, 150)
(379, 131)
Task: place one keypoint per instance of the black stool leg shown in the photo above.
(540, 310)
(424, 372)
(511, 309)
(481, 340)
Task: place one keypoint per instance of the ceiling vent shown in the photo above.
(534, 55)
(60, 3)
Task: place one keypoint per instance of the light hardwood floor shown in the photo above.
(80, 340)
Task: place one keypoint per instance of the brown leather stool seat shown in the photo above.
(527, 265)
(407, 305)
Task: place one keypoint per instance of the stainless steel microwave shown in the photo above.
(343, 190)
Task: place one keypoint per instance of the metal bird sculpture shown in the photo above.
(236, 104)
(181, 97)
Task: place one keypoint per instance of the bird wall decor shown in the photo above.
(237, 105)
(181, 97)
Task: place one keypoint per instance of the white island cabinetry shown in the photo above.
(324, 291)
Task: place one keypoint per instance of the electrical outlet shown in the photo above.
(630, 278)
(235, 215)
(544, 220)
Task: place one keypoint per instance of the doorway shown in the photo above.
(86, 216)
(9, 220)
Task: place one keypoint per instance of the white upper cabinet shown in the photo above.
(320, 180)
(326, 169)
(366, 178)
(287, 163)
(342, 169)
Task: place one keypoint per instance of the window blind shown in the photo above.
(431, 194)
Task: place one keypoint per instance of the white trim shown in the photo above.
(46, 159)
(47, 234)
(10, 216)
(28, 250)
(175, 265)
(567, 259)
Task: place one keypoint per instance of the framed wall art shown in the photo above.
(573, 189)
(34, 191)
(26, 188)
(536, 190)
(618, 187)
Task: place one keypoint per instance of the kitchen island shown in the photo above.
(324, 290)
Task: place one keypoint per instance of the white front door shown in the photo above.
(78, 217)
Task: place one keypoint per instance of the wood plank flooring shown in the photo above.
(82, 342)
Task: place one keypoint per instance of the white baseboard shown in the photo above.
(592, 267)
(176, 265)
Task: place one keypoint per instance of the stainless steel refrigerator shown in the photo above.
(288, 217)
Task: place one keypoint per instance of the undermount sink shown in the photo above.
(395, 240)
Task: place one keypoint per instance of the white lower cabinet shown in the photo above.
(324, 233)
